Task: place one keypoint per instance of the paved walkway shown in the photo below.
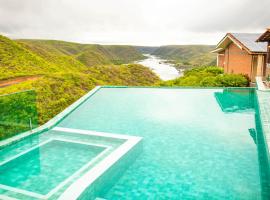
(264, 105)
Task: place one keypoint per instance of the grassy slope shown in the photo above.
(57, 53)
(18, 61)
(87, 54)
(146, 49)
(68, 70)
(188, 55)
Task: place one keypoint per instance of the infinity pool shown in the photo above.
(197, 144)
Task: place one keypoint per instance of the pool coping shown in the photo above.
(263, 109)
(260, 84)
(76, 189)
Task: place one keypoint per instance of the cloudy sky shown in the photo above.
(140, 22)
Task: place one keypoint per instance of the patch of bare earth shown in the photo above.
(12, 81)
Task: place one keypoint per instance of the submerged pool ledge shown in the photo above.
(91, 184)
(87, 181)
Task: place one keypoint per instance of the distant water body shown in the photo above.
(164, 70)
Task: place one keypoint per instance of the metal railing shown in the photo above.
(18, 113)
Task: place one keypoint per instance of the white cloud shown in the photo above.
(144, 22)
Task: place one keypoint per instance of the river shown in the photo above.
(165, 71)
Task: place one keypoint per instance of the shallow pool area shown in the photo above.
(194, 144)
(54, 154)
(48, 165)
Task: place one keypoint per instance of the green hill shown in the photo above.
(16, 60)
(146, 49)
(187, 55)
(66, 70)
(87, 54)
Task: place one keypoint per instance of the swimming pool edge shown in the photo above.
(59, 117)
(52, 122)
(93, 183)
(264, 114)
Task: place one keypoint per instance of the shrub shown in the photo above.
(208, 77)
(214, 70)
(208, 82)
(231, 80)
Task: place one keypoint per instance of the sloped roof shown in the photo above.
(249, 40)
(265, 37)
(246, 41)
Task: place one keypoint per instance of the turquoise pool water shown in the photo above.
(198, 143)
(41, 169)
(44, 165)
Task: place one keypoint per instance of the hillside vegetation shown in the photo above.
(187, 56)
(87, 54)
(146, 49)
(66, 71)
(18, 113)
(16, 60)
(61, 72)
(208, 77)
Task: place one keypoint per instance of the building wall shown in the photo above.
(220, 59)
(237, 61)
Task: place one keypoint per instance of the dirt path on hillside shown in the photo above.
(12, 81)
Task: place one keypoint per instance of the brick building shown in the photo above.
(239, 53)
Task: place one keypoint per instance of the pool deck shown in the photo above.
(264, 106)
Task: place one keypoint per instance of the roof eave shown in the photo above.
(265, 34)
(258, 52)
(232, 39)
(217, 50)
